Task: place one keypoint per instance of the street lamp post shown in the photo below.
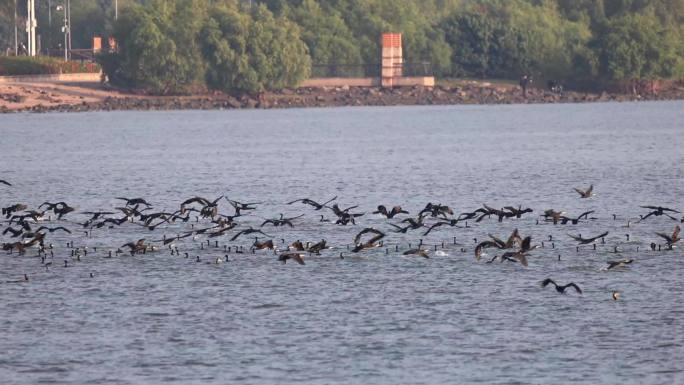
(65, 30)
(31, 25)
(16, 33)
(68, 16)
(49, 35)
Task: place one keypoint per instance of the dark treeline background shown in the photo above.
(236, 45)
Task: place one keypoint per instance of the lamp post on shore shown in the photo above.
(31, 25)
(68, 16)
(16, 32)
(65, 29)
(49, 36)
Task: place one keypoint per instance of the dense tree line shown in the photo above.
(177, 45)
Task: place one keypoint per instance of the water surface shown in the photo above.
(378, 317)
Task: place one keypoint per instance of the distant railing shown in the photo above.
(82, 54)
(344, 70)
(76, 54)
(367, 70)
(418, 69)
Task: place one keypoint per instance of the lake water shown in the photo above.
(375, 317)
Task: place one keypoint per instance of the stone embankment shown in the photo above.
(81, 97)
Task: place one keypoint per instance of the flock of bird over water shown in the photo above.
(197, 227)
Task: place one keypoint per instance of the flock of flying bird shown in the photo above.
(198, 223)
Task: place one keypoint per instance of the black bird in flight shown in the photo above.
(15, 233)
(554, 215)
(60, 208)
(282, 221)
(586, 193)
(317, 247)
(97, 214)
(671, 239)
(521, 254)
(299, 258)
(501, 214)
(517, 213)
(574, 221)
(202, 201)
(584, 241)
(7, 211)
(418, 252)
(249, 231)
(136, 247)
(614, 264)
(559, 288)
(396, 210)
(135, 201)
(498, 243)
(658, 211)
(112, 221)
(263, 245)
(53, 229)
(436, 210)
(317, 206)
(239, 206)
(371, 243)
(450, 222)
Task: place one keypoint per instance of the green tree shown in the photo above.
(369, 19)
(7, 25)
(471, 35)
(506, 38)
(252, 51)
(639, 47)
(158, 47)
(329, 40)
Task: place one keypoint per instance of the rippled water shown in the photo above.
(375, 317)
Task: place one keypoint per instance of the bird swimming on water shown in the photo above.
(26, 279)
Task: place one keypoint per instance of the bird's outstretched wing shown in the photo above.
(481, 246)
(367, 230)
(664, 236)
(573, 285)
(585, 214)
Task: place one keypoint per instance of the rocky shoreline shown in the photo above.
(476, 93)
